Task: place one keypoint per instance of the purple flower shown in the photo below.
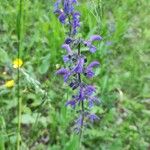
(92, 100)
(68, 6)
(81, 94)
(64, 72)
(74, 1)
(68, 40)
(93, 64)
(76, 22)
(67, 48)
(62, 18)
(92, 49)
(95, 38)
(89, 90)
(56, 5)
(72, 103)
(92, 117)
(65, 58)
(78, 124)
(89, 73)
(79, 67)
(87, 43)
(89, 70)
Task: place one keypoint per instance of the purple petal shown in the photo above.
(67, 47)
(56, 5)
(93, 100)
(74, 1)
(92, 49)
(62, 71)
(89, 90)
(65, 58)
(87, 43)
(91, 104)
(79, 121)
(66, 76)
(95, 38)
(68, 40)
(72, 103)
(89, 73)
(81, 94)
(93, 64)
(62, 18)
(79, 67)
(93, 117)
(76, 14)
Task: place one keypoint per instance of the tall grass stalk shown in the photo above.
(20, 37)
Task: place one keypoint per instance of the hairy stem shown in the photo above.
(82, 102)
(19, 29)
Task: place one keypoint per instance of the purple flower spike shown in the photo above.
(84, 97)
(95, 38)
(67, 47)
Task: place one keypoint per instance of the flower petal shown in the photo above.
(62, 71)
(79, 67)
(62, 18)
(92, 49)
(67, 48)
(93, 64)
(95, 38)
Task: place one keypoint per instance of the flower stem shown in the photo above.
(19, 29)
(82, 102)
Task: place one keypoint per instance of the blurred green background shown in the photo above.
(123, 79)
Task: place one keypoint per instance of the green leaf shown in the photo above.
(2, 147)
(73, 144)
(4, 57)
(45, 65)
(25, 119)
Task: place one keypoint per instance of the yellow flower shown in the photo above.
(9, 83)
(17, 63)
(57, 66)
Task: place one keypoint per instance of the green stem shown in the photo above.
(19, 32)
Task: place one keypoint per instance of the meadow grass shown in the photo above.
(123, 79)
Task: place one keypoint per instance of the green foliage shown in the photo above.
(123, 79)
